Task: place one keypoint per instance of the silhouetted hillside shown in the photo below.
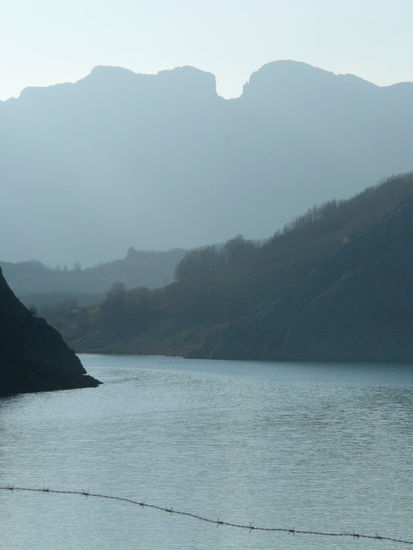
(162, 158)
(33, 356)
(334, 284)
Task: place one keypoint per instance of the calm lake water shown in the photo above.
(310, 446)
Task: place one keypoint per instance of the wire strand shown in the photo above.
(217, 522)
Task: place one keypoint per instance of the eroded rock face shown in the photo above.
(355, 306)
(33, 356)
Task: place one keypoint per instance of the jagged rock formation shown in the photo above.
(160, 161)
(33, 356)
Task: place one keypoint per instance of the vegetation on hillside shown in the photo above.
(216, 287)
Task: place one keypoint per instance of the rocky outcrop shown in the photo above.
(33, 356)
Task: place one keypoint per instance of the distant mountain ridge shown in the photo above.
(161, 161)
(38, 285)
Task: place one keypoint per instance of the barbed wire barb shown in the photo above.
(217, 522)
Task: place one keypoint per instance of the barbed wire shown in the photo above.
(216, 522)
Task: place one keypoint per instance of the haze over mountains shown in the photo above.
(38, 285)
(161, 161)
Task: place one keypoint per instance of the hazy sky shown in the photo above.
(47, 41)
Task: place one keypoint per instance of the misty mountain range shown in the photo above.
(120, 159)
(39, 285)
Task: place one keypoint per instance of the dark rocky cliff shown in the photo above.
(33, 356)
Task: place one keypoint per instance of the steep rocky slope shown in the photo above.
(357, 305)
(33, 356)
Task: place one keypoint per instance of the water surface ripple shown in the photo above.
(305, 446)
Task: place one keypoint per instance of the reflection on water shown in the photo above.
(308, 446)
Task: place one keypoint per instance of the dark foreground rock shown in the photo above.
(33, 356)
